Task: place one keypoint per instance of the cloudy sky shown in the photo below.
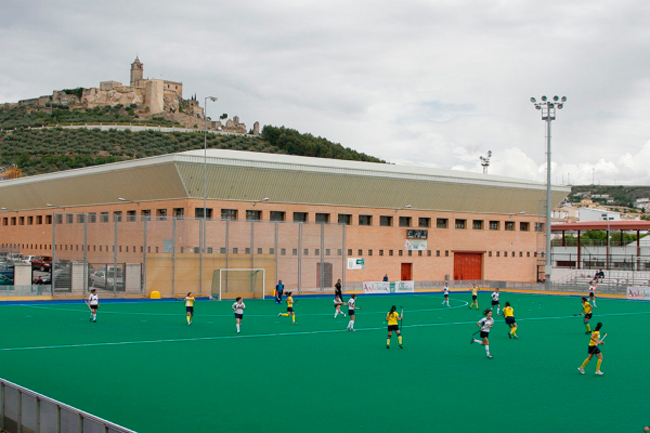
(435, 83)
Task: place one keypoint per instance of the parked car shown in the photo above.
(39, 263)
(6, 281)
(7, 269)
(106, 278)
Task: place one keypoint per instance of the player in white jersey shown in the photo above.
(338, 301)
(592, 292)
(239, 308)
(495, 301)
(93, 304)
(445, 291)
(351, 308)
(485, 324)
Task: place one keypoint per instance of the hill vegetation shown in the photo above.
(622, 195)
(26, 139)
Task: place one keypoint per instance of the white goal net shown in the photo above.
(245, 282)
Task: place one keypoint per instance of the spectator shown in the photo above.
(385, 277)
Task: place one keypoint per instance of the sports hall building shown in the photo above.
(308, 221)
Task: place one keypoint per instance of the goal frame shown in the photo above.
(221, 280)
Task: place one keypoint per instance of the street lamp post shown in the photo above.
(202, 241)
(548, 108)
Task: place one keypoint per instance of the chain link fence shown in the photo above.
(131, 255)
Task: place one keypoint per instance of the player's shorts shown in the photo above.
(393, 327)
(495, 303)
(588, 316)
(189, 309)
(485, 334)
(591, 294)
(510, 320)
(239, 316)
(474, 297)
(446, 295)
(350, 313)
(593, 350)
(94, 307)
(289, 309)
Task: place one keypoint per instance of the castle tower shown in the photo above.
(137, 71)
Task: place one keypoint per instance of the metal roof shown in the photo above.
(601, 225)
(250, 176)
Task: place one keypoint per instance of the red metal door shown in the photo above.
(468, 266)
(407, 269)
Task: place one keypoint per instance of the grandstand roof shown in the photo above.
(250, 176)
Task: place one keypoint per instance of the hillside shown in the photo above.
(622, 195)
(26, 140)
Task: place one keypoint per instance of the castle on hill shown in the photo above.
(147, 97)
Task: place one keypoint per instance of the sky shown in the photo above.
(434, 83)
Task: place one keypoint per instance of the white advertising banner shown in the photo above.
(386, 287)
(641, 293)
(415, 245)
(355, 263)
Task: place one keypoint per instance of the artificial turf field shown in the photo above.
(143, 367)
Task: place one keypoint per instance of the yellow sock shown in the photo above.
(388, 342)
(588, 327)
(514, 331)
(284, 314)
(584, 364)
(400, 340)
(600, 361)
(293, 318)
(188, 319)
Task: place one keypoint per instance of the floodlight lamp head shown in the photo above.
(265, 199)
(537, 107)
(551, 105)
(213, 98)
(559, 106)
(563, 98)
(533, 100)
(49, 204)
(408, 206)
(556, 98)
(544, 98)
(122, 199)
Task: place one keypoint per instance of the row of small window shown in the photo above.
(446, 253)
(255, 215)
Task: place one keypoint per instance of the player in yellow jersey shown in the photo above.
(392, 317)
(509, 314)
(586, 310)
(593, 349)
(290, 311)
(474, 297)
(189, 307)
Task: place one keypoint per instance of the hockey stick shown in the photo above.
(402, 317)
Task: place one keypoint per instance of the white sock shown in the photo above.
(478, 341)
(351, 324)
(238, 327)
(95, 316)
(336, 313)
(487, 349)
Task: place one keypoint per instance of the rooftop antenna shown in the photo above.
(485, 161)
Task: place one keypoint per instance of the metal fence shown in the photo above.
(124, 255)
(23, 410)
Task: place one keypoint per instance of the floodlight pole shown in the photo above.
(202, 241)
(547, 108)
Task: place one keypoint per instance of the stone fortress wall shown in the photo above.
(148, 97)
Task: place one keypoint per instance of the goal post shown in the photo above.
(229, 283)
